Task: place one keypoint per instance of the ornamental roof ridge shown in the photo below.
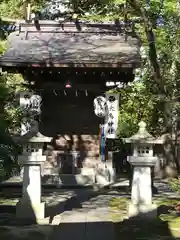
(142, 132)
(77, 26)
(143, 136)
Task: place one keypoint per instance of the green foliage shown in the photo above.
(11, 8)
(175, 184)
(8, 122)
(15, 8)
(8, 154)
(8, 149)
(135, 105)
(10, 117)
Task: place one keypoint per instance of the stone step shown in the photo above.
(89, 178)
(11, 189)
(69, 179)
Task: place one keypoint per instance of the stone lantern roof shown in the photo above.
(29, 137)
(32, 136)
(143, 136)
(39, 138)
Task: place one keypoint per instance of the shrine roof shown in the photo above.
(71, 45)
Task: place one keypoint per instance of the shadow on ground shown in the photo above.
(127, 229)
(143, 228)
(132, 228)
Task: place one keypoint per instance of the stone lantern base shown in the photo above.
(142, 210)
(30, 205)
(27, 210)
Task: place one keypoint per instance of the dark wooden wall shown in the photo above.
(71, 121)
(68, 114)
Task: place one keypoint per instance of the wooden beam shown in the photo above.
(58, 86)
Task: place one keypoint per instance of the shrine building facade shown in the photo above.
(69, 65)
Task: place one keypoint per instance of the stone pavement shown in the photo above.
(91, 206)
(65, 231)
(80, 214)
(80, 206)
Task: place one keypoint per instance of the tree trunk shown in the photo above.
(156, 71)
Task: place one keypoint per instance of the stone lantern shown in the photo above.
(142, 160)
(30, 205)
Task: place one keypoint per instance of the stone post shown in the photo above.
(30, 205)
(105, 173)
(110, 167)
(142, 161)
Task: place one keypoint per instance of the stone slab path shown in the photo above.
(81, 206)
(77, 214)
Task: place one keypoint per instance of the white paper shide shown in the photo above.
(111, 120)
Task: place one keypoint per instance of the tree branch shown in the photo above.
(137, 6)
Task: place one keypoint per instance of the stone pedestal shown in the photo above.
(142, 210)
(141, 194)
(112, 174)
(101, 175)
(26, 210)
(30, 205)
(111, 168)
(105, 174)
(141, 185)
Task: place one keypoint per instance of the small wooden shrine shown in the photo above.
(68, 65)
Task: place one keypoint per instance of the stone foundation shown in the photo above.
(86, 176)
(27, 210)
(142, 210)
